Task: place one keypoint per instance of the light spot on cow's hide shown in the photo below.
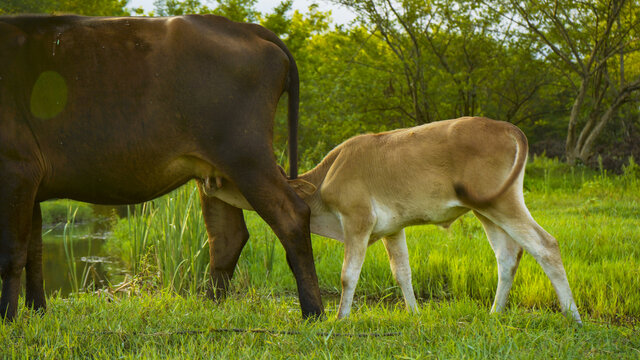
(49, 95)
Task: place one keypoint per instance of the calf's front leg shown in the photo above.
(357, 232)
(396, 246)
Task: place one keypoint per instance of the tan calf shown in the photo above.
(373, 186)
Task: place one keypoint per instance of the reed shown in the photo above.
(74, 267)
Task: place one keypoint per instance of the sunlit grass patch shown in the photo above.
(261, 324)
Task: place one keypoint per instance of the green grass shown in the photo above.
(163, 325)
(594, 216)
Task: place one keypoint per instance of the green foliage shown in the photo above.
(79, 7)
(237, 10)
(346, 91)
(178, 7)
(57, 211)
(278, 21)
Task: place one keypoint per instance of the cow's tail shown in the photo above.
(293, 89)
(522, 148)
(294, 103)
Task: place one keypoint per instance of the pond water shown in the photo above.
(94, 267)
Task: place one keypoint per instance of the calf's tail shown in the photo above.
(522, 148)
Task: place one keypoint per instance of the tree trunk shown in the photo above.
(571, 151)
(583, 148)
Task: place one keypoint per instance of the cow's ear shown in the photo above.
(303, 188)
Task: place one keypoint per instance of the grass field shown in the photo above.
(162, 325)
(161, 312)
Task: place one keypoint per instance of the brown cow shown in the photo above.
(122, 110)
(373, 186)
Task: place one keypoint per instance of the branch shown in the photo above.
(537, 115)
(565, 35)
(535, 29)
(406, 28)
(615, 12)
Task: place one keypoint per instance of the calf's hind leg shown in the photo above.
(508, 254)
(523, 229)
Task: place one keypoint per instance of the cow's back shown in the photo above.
(146, 99)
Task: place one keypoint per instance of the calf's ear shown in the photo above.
(303, 188)
(284, 173)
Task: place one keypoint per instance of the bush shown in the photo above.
(56, 211)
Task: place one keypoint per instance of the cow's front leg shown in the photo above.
(267, 191)
(396, 246)
(34, 297)
(16, 210)
(227, 236)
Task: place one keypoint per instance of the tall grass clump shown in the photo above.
(545, 175)
(180, 241)
(168, 238)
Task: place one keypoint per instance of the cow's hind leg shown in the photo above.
(508, 254)
(34, 297)
(516, 221)
(227, 236)
(396, 246)
(263, 185)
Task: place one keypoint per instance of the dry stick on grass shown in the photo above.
(255, 331)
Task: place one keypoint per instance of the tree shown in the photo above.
(456, 58)
(589, 42)
(400, 26)
(177, 7)
(236, 10)
(352, 84)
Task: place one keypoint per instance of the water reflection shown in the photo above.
(95, 268)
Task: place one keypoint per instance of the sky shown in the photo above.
(340, 15)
